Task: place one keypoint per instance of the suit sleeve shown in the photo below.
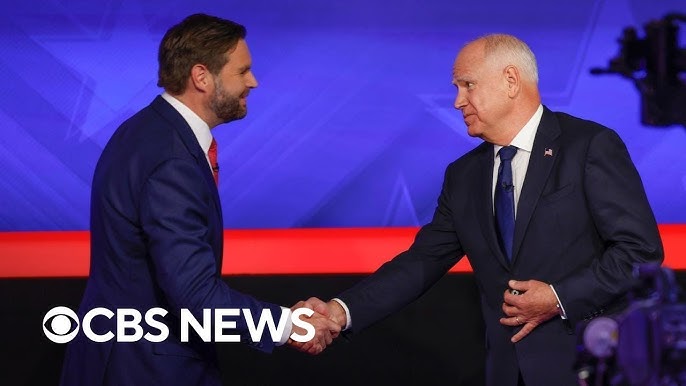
(625, 222)
(174, 214)
(403, 279)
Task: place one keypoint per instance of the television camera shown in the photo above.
(657, 66)
(644, 345)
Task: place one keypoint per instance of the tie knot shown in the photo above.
(506, 153)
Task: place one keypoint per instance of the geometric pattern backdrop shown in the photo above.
(352, 124)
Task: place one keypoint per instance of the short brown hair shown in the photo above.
(198, 39)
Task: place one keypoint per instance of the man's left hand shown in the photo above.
(535, 304)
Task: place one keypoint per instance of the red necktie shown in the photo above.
(212, 155)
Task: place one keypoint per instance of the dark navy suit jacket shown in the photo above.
(582, 221)
(156, 241)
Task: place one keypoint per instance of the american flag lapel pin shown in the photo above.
(548, 152)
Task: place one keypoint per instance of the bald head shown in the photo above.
(505, 50)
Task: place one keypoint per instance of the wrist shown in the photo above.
(559, 308)
(337, 313)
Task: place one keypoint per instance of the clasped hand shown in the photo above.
(326, 321)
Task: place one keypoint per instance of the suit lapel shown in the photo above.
(193, 147)
(188, 138)
(543, 155)
(485, 203)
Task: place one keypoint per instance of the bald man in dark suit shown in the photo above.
(549, 210)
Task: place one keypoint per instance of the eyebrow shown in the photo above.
(244, 68)
(461, 76)
(462, 79)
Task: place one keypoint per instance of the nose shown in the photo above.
(460, 101)
(251, 80)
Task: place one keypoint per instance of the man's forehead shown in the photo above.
(239, 54)
(467, 59)
(471, 51)
(461, 69)
(241, 48)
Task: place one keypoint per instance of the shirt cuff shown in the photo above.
(348, 321)
(288, 329)
(563, 314)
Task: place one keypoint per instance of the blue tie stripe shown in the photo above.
(504, 200)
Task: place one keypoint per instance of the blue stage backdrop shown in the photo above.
(352, 124)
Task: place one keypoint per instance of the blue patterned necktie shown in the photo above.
(504, 201)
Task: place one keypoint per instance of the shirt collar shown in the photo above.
(524, 140)
(199, 127)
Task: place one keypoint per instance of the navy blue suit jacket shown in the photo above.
(582, 221)
(156, 241)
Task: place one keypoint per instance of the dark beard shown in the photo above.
(226, 107)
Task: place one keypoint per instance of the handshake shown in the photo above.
(328, 320)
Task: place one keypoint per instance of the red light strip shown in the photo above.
(259, 252)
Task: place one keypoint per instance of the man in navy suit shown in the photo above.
(549, 210)
(156, 220)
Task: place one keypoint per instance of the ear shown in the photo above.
(201, 79)
(514, 82)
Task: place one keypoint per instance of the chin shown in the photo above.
(240, 114)
(473, 132)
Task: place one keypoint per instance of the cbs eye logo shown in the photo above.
(61, 324)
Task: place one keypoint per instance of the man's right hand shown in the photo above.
(326, 328)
